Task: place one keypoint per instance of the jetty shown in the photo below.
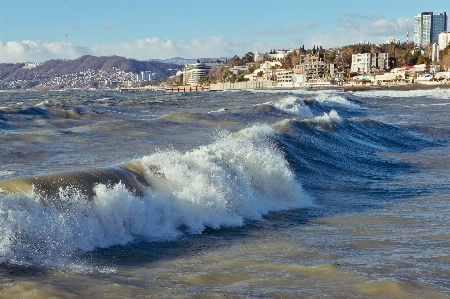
(137, 89)
(186, 88)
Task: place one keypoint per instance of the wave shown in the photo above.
(327, 118)
(437, 93)
(292, 105)
(241, 176)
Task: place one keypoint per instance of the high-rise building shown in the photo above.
(439, 25)
(427, 27)
(422, 29)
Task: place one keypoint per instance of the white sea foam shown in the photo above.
(292, 105)
(241, 176)
(333, 98)
(437, 93)
(327, 97)
(5, 173)
(218, 111)
(328, 118)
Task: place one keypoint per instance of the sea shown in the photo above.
(234, 194)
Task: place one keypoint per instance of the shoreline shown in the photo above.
(354, 88)
(404, 87)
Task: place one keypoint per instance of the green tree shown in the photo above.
(248, 58)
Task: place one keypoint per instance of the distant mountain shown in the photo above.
(54, 68)
(183, 61)
(85, 72)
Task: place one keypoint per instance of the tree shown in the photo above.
(248, 58)
(445, 59)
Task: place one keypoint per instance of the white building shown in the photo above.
(239, 69)
(364, 63)
(422, 29)
(194, 72)
(444, 40)
(265, 72)
(280, 54)
(258, 56)
(435, 52)
(283, 75)
(146, 76)
(393, 41)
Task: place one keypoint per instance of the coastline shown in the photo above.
(410, 86)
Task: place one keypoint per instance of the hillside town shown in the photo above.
(425, 60)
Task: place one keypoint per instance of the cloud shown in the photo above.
(348, 16)
(141, 49)
(377, 31)
(309, 25)
(37, 51)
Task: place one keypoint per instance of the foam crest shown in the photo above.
(241, 176)
(332, 98)
(436, 93)
(328, 118)
(292, 105)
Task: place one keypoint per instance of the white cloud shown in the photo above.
(141, 49)
(352, 32)
(37, 51)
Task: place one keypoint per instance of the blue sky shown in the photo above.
(38, 30)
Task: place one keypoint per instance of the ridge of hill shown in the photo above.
(21, 75)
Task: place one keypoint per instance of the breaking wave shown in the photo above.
(241, 176)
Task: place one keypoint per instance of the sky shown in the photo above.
(39, 30)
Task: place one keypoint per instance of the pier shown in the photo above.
(187, 88)
(136, 89)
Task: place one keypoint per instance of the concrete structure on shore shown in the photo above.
(243, 85)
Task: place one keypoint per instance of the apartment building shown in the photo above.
(283, 75)
(367, 62)
(312, 67)
(146, 76)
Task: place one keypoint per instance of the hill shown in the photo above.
(20, 75)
